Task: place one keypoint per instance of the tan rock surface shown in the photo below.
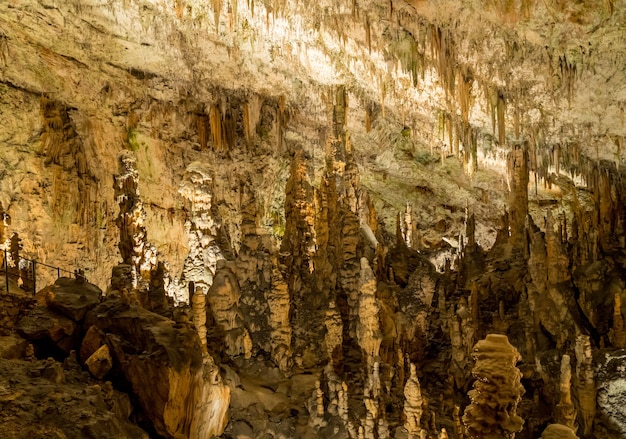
(179, 391)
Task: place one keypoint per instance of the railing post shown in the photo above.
(6, 270)
(58, 272)
(34, 278)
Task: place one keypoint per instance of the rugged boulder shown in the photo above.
(71, 297)
(50, 328)
(178, 388)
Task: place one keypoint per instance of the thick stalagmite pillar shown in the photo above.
(413, 402)
(585, 383)
(497, 390)
(518, 197)
(565, 413)
(134, 247)
(201, 265)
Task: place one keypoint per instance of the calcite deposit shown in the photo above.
(293, 219)
(497, 390)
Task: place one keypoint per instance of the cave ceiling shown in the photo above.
(552, 72)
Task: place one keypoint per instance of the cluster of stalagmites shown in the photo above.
(391, 342)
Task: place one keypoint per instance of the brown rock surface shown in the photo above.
(179, 391)
(13, 306)
(100, 362)
(497, 390)
(72, 297)
(34, 404)
(46, 325)
(93, 339)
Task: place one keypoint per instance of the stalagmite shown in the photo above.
(343, 402)
(497, 390)
(408, 226)
(334, 333)
(383, 429)
(556, 431)
(281, 332)
(134, 247)
(518, 197)
(565, 410)
(458, 426)
(316, 407)
(585, 383)
(204, 253)
(413, 402)
(368, 331)
(223, 299)
(199, 309)
(369, 426)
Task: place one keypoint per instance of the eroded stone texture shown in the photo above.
(134, 247)
(41, 400)
(178, 387)
(13, 306)
(610, 378)
(497, 390)
(295, 179)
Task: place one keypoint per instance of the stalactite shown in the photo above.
(450, 130)
(464, 94)
(501, 110)
(217, 9)
(179, 7)
(215, 118)
(444, 56)
(230, 18)
(235, 8)
(203, 125)
(368, 36)
(64, 149)
(568, 73)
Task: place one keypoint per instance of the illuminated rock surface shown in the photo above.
(311, 212)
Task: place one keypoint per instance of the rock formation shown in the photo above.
(565, 411)
(316, 204)
(556, 431)
(497, 390)
(413, 405)
(178, 388)
(134, 247)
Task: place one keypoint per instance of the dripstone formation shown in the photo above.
(354, 219)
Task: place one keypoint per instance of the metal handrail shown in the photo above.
(33, 269)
